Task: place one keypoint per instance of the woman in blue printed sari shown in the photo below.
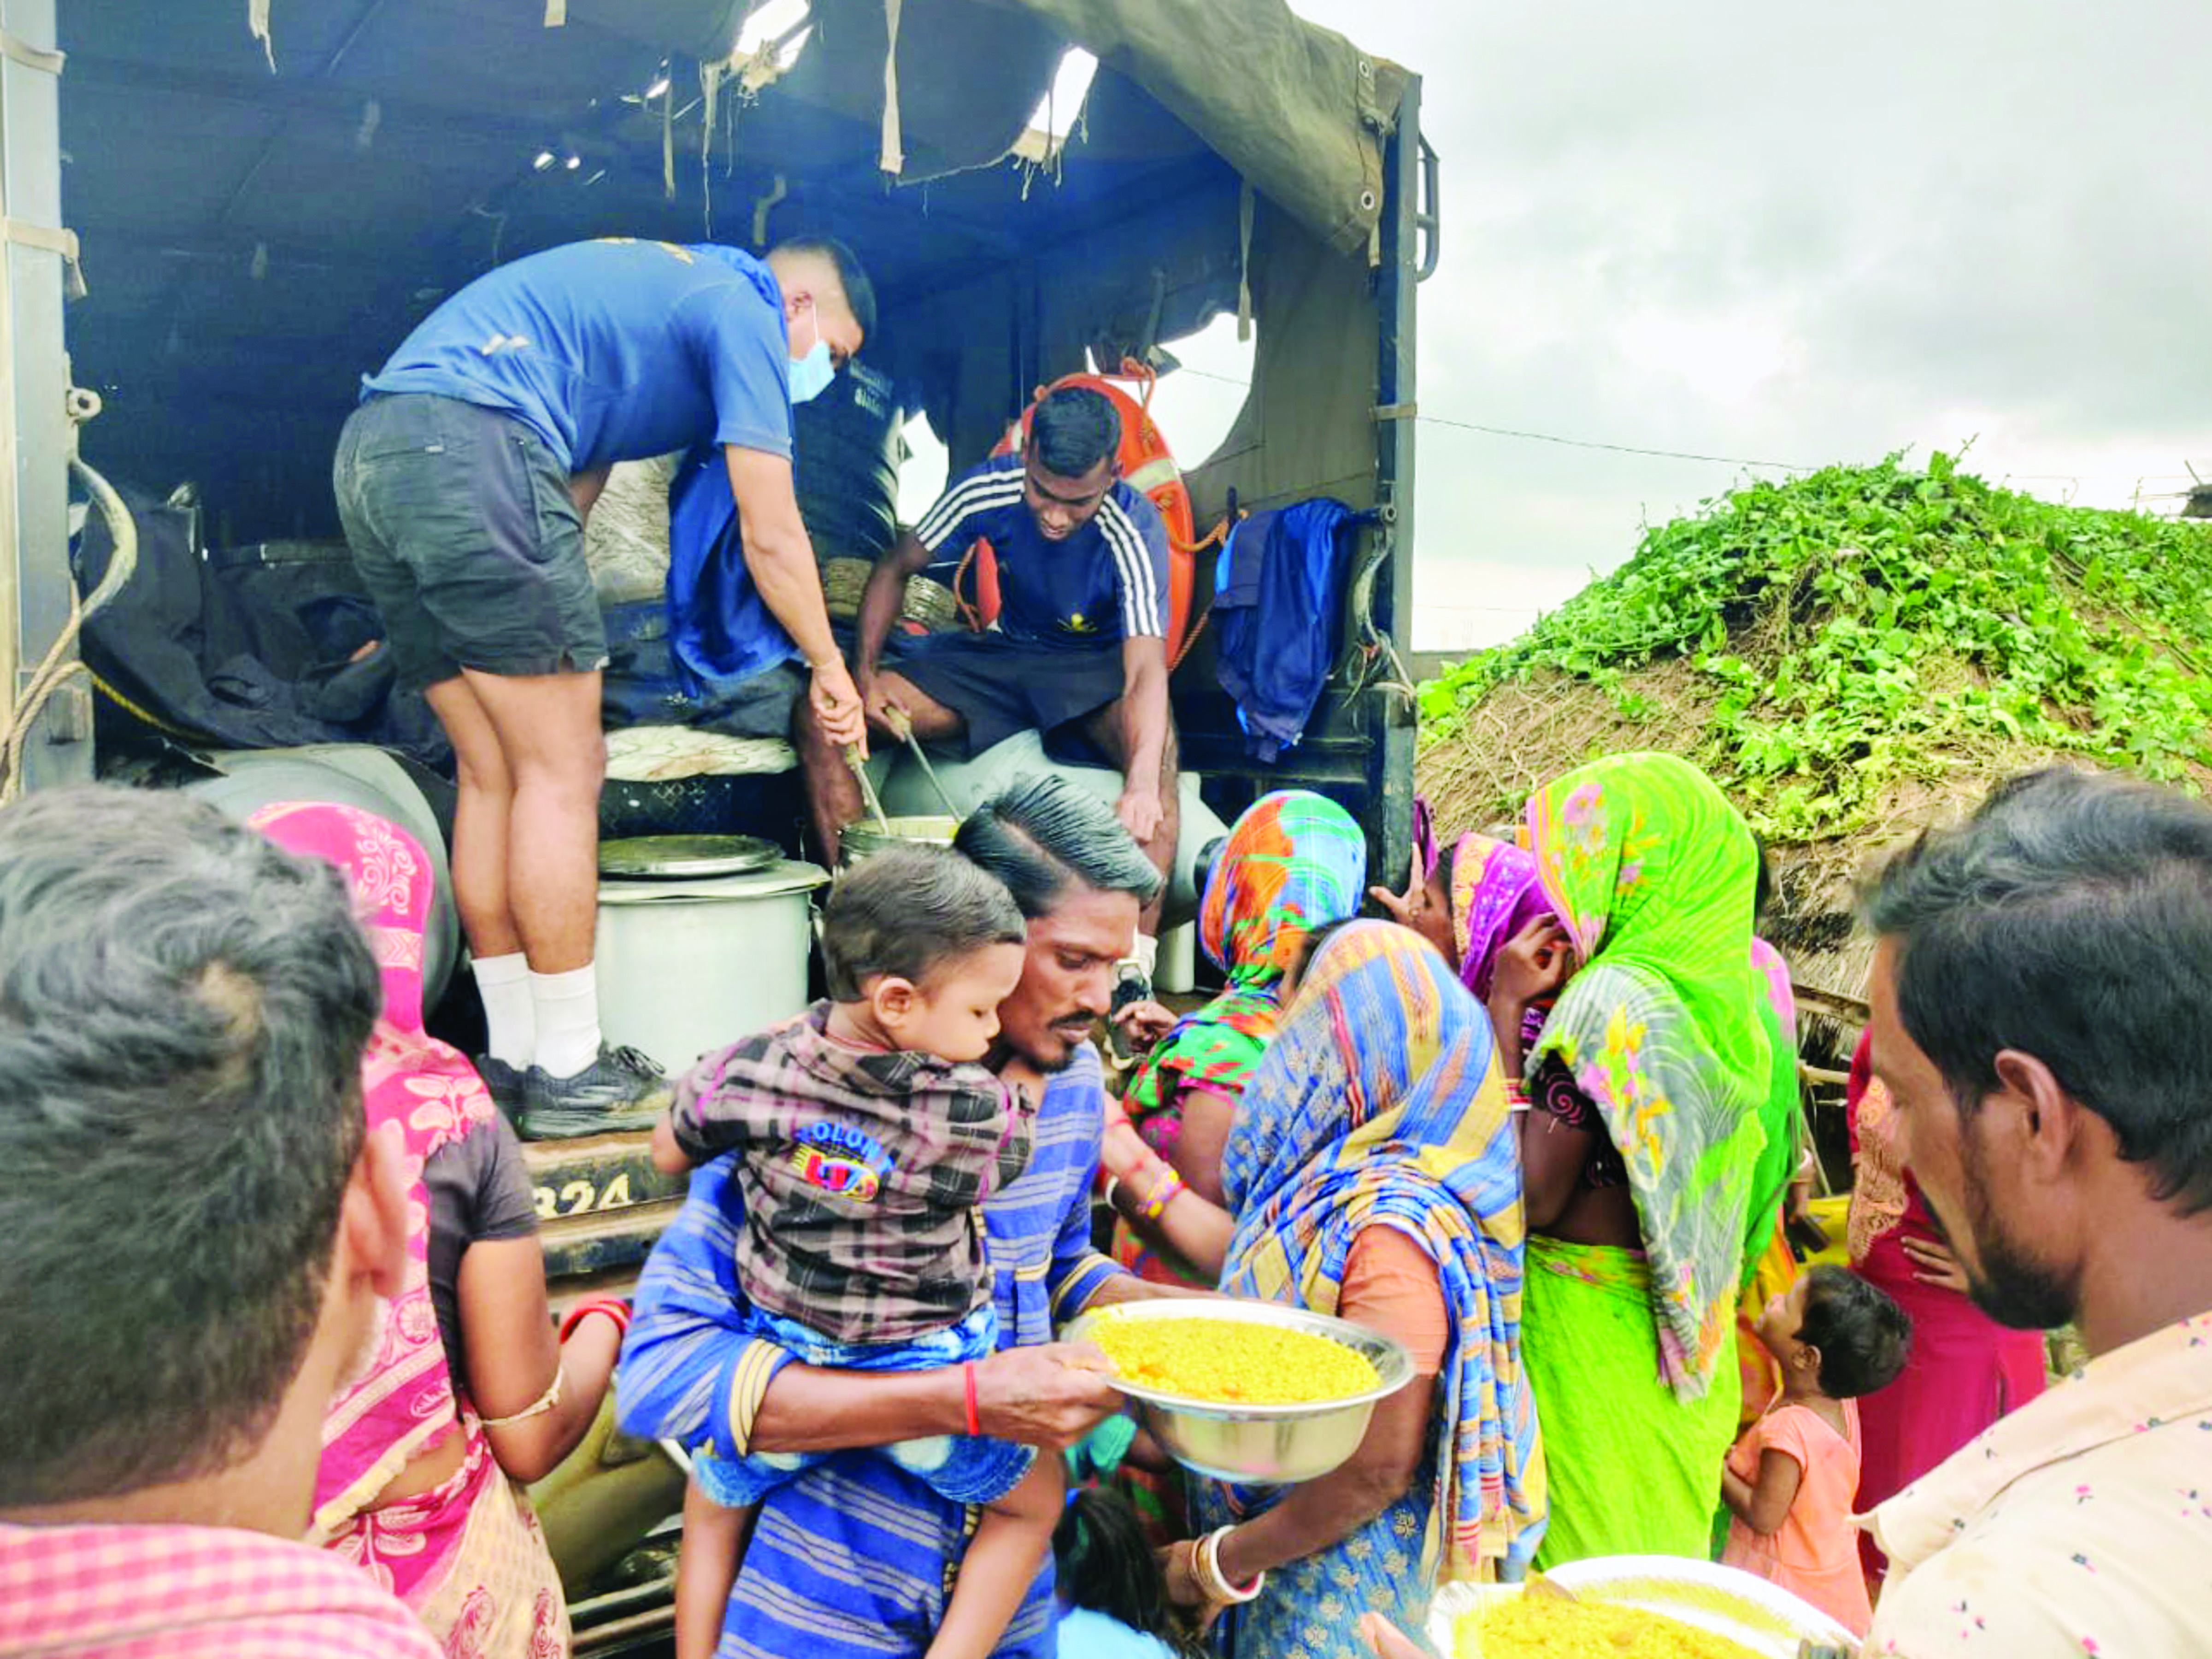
(1374, 1173)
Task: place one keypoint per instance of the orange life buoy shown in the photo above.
(1146, 465)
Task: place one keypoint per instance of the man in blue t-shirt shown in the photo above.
(464, 479)
(1080, 648)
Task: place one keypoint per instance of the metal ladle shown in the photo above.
(867, 789)
(904, 727)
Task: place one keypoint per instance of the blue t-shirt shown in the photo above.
(1106, 583)
(614, 351)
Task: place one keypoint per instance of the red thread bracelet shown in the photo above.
(968, 1383)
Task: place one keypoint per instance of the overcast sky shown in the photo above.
(1785, 232)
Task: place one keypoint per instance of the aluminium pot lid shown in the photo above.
(679, 858)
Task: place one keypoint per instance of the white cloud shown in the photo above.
(1793, 233)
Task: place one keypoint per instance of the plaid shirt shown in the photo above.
(96, 1591)
(861, 1174)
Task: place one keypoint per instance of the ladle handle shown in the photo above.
(867, 789)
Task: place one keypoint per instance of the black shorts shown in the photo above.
(1000, 687)
(464, 531)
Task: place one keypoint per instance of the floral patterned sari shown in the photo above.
(467, 1555)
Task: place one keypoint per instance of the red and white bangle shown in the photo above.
(1205, 1567)
(616, 1310)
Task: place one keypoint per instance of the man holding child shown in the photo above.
(855, 1554)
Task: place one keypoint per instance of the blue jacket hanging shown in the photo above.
(720, 630)
(1279, 592)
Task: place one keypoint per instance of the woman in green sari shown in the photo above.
(1639, 1147)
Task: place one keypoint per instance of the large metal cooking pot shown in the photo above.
(362, 777)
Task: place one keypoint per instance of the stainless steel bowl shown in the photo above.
(1270, 1445)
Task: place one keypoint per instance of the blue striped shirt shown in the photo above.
(855, 1560)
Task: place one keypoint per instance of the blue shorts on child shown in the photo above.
(965, 1469)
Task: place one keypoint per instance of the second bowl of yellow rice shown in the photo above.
(1248, 1391)
(1632, 1607)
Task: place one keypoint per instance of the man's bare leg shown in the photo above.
(481, 817)
(833, 793)
(1105, 730)
(548, 726)
(482, 813)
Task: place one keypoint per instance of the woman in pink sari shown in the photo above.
(1965, 1371)
(418, 1481)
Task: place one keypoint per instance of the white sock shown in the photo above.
(1147, 954)
(510, 1017)
(566, 1007)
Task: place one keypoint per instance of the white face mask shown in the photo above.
(812, 370)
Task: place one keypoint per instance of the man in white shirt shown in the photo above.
(2042, 1015)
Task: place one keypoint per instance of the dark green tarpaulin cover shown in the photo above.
(1299, 111)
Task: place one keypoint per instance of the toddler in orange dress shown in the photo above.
(1792, 1481)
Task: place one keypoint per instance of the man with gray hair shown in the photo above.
(850, 1561)
(199, 1234)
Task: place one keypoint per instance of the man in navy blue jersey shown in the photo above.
(1080, 649)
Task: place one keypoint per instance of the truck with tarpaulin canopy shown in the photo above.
(219, 216)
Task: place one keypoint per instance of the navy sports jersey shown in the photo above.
(1106, 583)
(614, 351)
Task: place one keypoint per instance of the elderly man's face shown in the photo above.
(1067, 980)
(1975, 1192)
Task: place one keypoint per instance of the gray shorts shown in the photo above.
(464, 532)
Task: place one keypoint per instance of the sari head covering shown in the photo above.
(425, 1094)
(1652, 873)
(1293, 863)
(1494, 895)
(1381, 1104)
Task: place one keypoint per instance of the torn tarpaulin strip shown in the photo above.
(46, 237)
(892, 159)
(16, 48)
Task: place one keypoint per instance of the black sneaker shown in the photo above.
(505, 1084)
(622, 1090)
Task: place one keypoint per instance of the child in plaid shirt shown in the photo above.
(867, 1135)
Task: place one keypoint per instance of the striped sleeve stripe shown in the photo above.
(973, 494)
(1139, 603)
(1140, 589)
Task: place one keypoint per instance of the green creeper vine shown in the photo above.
(1862, 625)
